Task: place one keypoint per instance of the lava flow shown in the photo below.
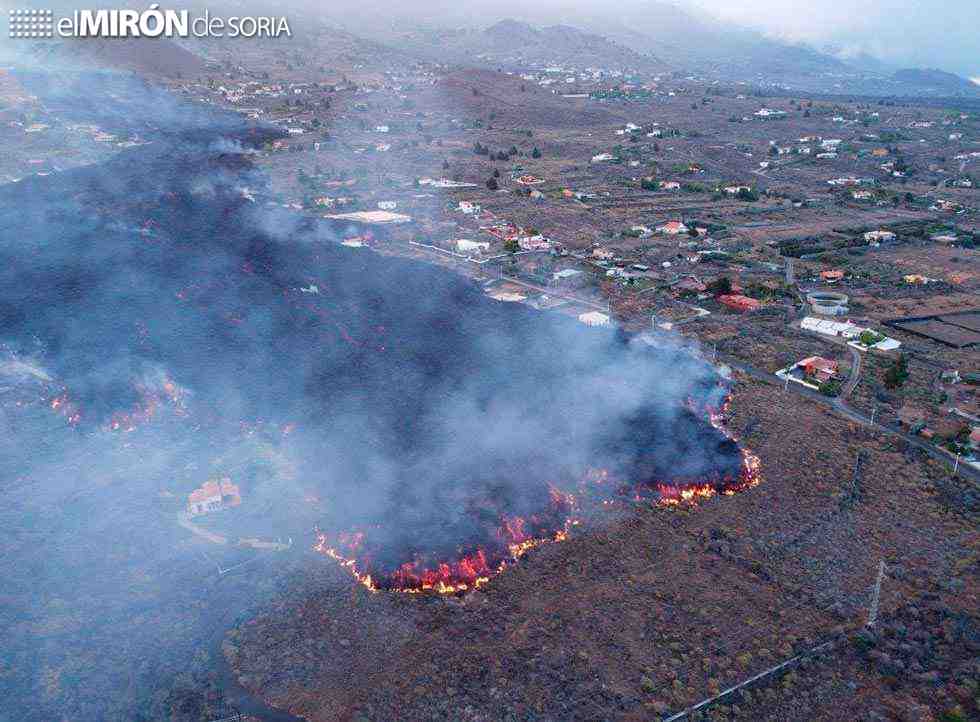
(748, 477)
(366, 555)
(375, 557)
(674, 494)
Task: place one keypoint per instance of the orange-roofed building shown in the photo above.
(739, 303)
(819, 368)
(831, 276)
(213, 495)
(672, 228)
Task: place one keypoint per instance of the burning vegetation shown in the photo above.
(409, 561)
(500, 539)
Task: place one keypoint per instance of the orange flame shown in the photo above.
(470, 572)
(473, 570)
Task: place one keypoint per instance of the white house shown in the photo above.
(844, 329)
(464, 245)
(565, 276)
(594, 318)
(879, 236)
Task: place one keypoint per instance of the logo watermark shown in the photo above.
(150, 23)
(31, 24)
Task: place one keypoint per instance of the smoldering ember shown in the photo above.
(510, 373)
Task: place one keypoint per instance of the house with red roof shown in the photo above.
(213, 495)
(737, 302)
(819, 368)
(672, 228)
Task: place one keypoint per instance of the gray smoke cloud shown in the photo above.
(149, 292)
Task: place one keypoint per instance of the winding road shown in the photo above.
(839, 405)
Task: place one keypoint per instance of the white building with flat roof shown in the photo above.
(594, 318)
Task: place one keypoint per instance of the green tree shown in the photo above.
(831, 387)
(721, 286)
(869, 337)
(898, 373)
(535, 153)
(492, 183)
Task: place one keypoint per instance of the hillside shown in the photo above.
(937, 81)
(511, 44)
(158, 57)
(689, 42)
(511, 102)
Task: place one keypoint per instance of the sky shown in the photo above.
(920, 33)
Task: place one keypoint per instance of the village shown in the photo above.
(818, 250)
(657, 204)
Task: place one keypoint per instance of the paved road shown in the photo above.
(965, 470)
(852, 382)
(555, 293)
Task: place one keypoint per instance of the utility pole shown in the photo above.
(852, 498)
(873, 410)
(956, 464)
(876, 595)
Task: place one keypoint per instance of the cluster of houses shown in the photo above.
(851, 181)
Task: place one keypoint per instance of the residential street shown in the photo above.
(965, 470)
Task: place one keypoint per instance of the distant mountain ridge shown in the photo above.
(510, 43)
(651, 36)
(937, 80)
